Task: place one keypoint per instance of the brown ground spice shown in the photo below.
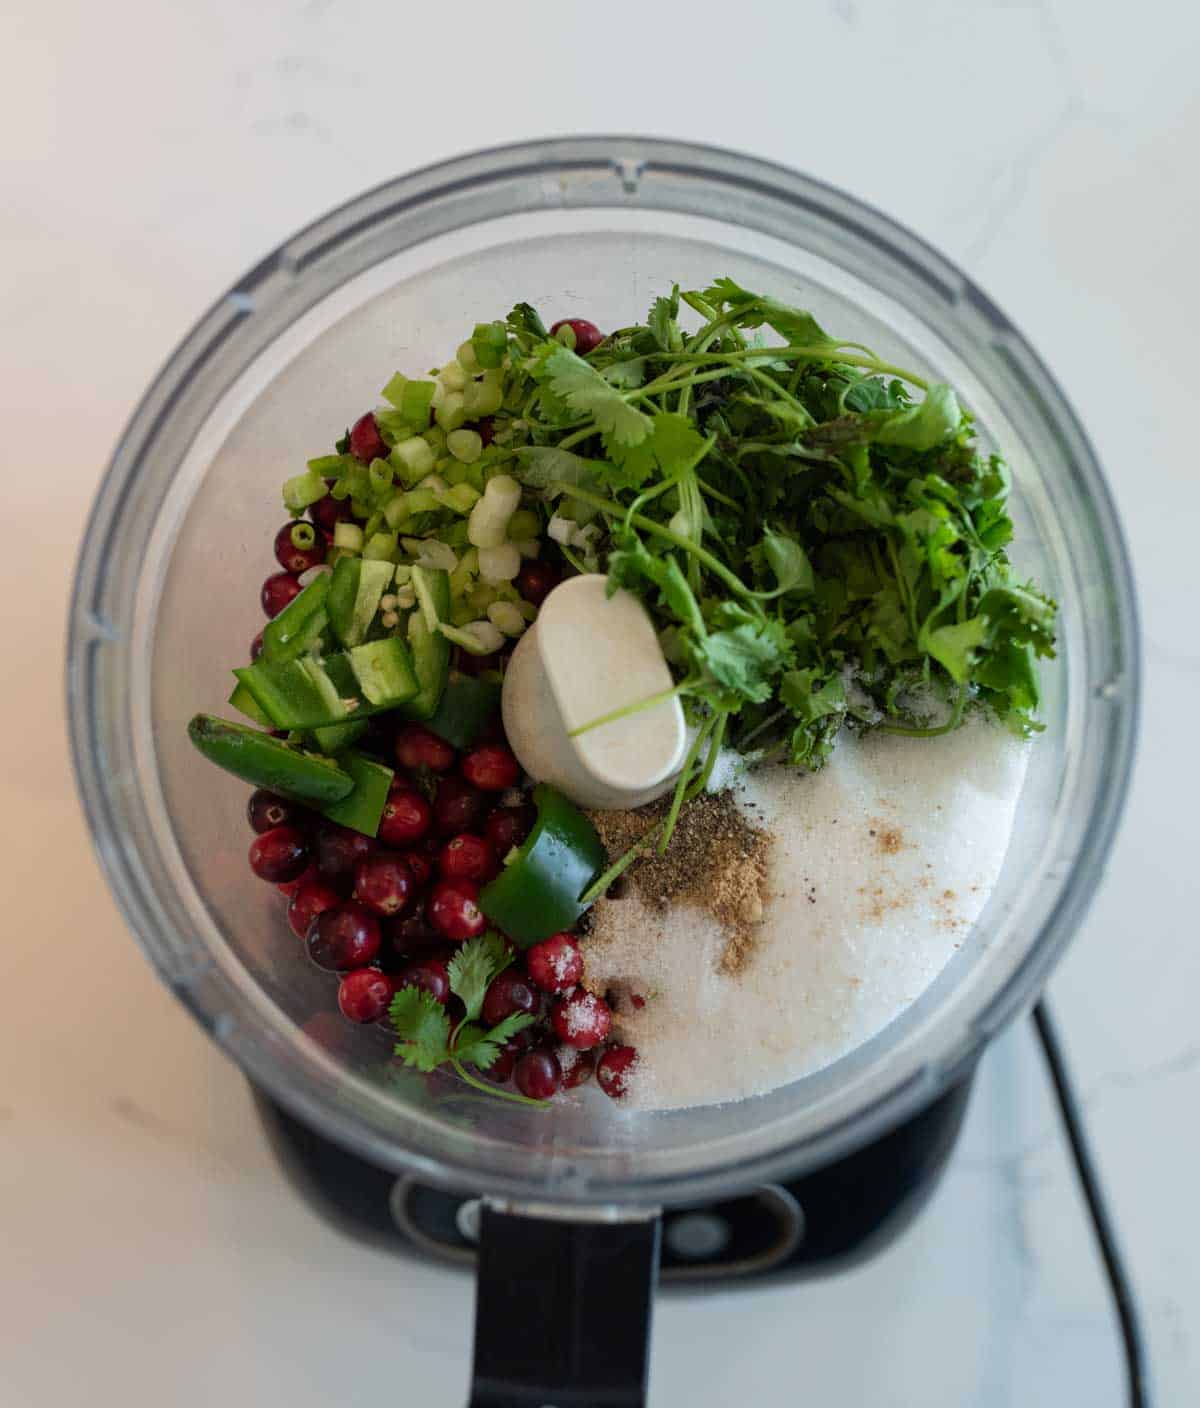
(716, 860)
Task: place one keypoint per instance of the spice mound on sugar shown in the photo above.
(716, 861)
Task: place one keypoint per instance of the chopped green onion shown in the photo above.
(490, 343)
(348, 535)
(460, 498)
(331, 466)
(412, 459)
(466, 358)
(380, 476)
(465, 445)
(475, 637)
(394, 390)
(523, 524)
(395, 511)
(303, 535)
(452, 412)
(415, 403)
(452, 376)
(380, 547)
(484, 398)
(302, 490)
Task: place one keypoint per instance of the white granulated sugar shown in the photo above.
(881, 864)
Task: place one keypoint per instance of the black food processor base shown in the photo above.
(824, 1221)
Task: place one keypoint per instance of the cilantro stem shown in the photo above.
(714, 750)
(716, 494)
(621, 865)
(648, 525)
(464, 1075)
(627, 710)
(790, 353)
(681, 786)
(948, 727)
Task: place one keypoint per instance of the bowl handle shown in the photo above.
(562, 1311)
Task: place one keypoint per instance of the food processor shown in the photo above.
(565, 1213)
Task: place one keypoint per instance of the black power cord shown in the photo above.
(1102, 1223)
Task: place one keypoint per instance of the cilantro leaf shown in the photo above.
(525, 321)
(788, 561)
(753, 310)
(663, 324)
(953, 647)
(480, 1048)
(423, 1028)
(582, 387)
(872, 393)
(922, 426)
(672, 449)
(474, 966)
(541, 465)
(744, 653)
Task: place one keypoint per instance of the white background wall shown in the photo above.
(149, 153)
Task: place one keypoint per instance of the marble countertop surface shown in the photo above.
(150, 153)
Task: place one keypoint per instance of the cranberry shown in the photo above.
(256, 647)
(538, 1074)
(279, 854)
(266, 810)
(344, 937)
(365, 995)
(278, 590)
(310, 896)
(383, 882)
(407, 816)
(467, 664)
(417, 747)
(555, 964)
(412, 935)
(612, 1070)
(421, 865)
(294, 559)
(366, 443)
(536, 580)
(428, 974)
(458, 806)
(289, 887)
(507, 993)
(587, 335)
(577, 1066)
(502, 1067)
(454, 910)
(467, 857)
(581, 1020)
(508, 827)
(339, 851)
(328, 512)
(486, 430)
(491, 767)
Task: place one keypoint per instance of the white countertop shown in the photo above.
(150, 1251)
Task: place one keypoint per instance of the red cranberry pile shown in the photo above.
(390, 913)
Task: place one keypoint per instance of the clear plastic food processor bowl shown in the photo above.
(167, 598)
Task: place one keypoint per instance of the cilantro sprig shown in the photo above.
(426, 1037)
(815, 531)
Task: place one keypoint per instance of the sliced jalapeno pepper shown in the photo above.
(299, 625)
(268, 762)
(362, 809)
(537, 894)
(466, 706)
